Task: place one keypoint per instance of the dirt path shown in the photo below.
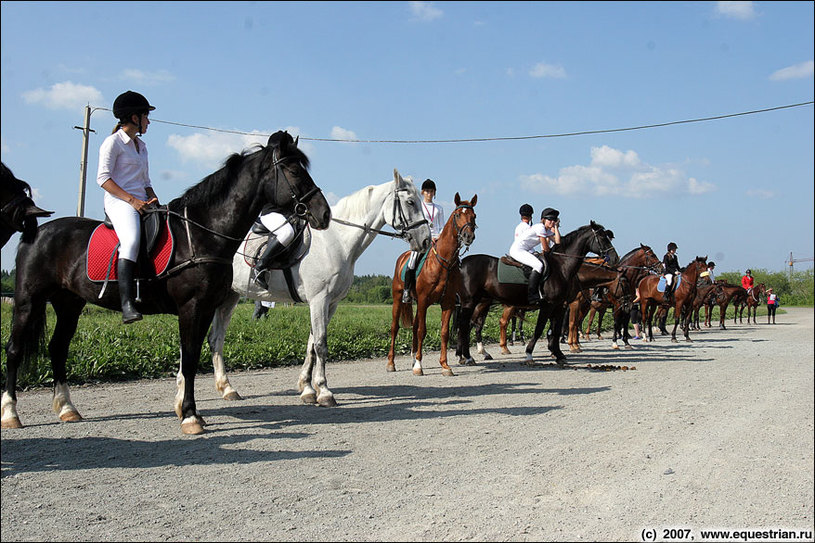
(713, 434)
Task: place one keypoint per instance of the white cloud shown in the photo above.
(339, 133)
(65, 95)
(761, 194)
(210, 149)
(425, 11)
(146, 78)
(541, 69)
(798, 71)
(612, 172)
(736, 10)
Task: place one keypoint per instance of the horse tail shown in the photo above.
(406, 315)
(32, 339)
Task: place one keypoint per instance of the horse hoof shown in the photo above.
(327, 401)
(11, 423)
(390, 367)
(232, 396)
(504, 350)
(70, 416)
(674, 340)
(561, 362)
(192, 428)
(471, 362)
(487, 356)
(418, 371)
(615, 347)
(627, 346)
(447, 372)
(309, 398)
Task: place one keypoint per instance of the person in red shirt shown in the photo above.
(747, 281)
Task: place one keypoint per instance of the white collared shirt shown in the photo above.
(435, 218)
(119, 160)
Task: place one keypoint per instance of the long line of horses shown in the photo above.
(212, 250)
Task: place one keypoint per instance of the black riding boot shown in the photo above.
(533, 295)
(410, 283)
(273, 246)
(668, 295)
(125, 270)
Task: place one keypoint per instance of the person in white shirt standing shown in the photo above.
(546, 234)
(434, 214)
(124, 175)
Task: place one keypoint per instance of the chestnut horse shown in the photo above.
(479, 282)
(437, 282)
(684, 294)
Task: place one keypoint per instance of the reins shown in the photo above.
(397, 208)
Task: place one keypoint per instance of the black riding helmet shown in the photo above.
(428, 185)
(672, 246)
(526, 210)
(711, 264)
(128, 104)
(550, 213)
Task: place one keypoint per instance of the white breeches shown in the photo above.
(414, 256)
(527, 258)
(669, 279)
(127, 224)
(279, 226)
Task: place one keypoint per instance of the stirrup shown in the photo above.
(258, 277)
(406, 297)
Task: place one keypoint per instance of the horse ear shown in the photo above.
(610, 234)
(593, 224)
(397, 177)
(474, 200)
(457, 199)
(296, 140)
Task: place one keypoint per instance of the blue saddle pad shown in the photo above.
(419, 266)
(661, 283)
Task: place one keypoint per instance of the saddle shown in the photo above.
(514, 272)
(293, 254)
(419, 265)
(155, 251)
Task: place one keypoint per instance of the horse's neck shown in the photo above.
(447, 244)
(574, 253)
(367, 212)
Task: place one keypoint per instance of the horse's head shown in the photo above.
(405, 214)
(463, 220)
(18, 213)
(650, 259)
(600, 243)
(287, 183)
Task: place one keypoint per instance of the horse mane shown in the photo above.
(568, 239)
(630, 253)
(213, 187)
(356, 205)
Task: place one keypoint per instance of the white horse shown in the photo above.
(324, 276)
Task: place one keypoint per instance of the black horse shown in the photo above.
(208, 222)
(479, 281)
(17, 210)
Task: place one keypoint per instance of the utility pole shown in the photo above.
(794, 260)
(83, 165)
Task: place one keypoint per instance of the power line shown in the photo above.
(508, 138)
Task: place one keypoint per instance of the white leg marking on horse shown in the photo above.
(8, 408)
(62, 405)
(417, 367)
(480, 346)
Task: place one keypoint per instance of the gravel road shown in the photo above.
(717, 433)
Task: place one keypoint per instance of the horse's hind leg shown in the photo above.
(67, 307)
(216, 338)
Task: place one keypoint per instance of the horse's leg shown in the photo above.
(507, 315)
(391, 366)
(27, 330)
(446, 312)
(464, 334)
(216, 338)
(67, 307)
(307, 393)
(513, 322)
(321, 313)
(554, 337)
(587, 333)
(601, 313)
(193, 321)
(480, 321)
(647, 317)
(419, 332)
(543, 317)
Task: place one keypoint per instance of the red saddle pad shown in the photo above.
(103, 243)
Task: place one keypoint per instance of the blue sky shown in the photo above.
(738, 189)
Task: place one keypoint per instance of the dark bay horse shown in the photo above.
(734, 293)
(479, 281)
(651, 297)
(755, 297)
(18, 213)
(209, 222)
(620, 292)
(437, 282)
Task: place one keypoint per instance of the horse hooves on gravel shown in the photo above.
(447, 372)
(70, 416)
(418, 372)
(193, 426)
(233, 397)
(12, 423)
(674, 340)
(390, 367)
(309, 398)
(487, 356)
(504, 350)
(327, 401)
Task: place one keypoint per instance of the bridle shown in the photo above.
(460, 229)
(449, 264)
(396, 212)
(300, 207)
(10, 211)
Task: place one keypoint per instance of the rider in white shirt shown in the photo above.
(435, 218)
(546, 234)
